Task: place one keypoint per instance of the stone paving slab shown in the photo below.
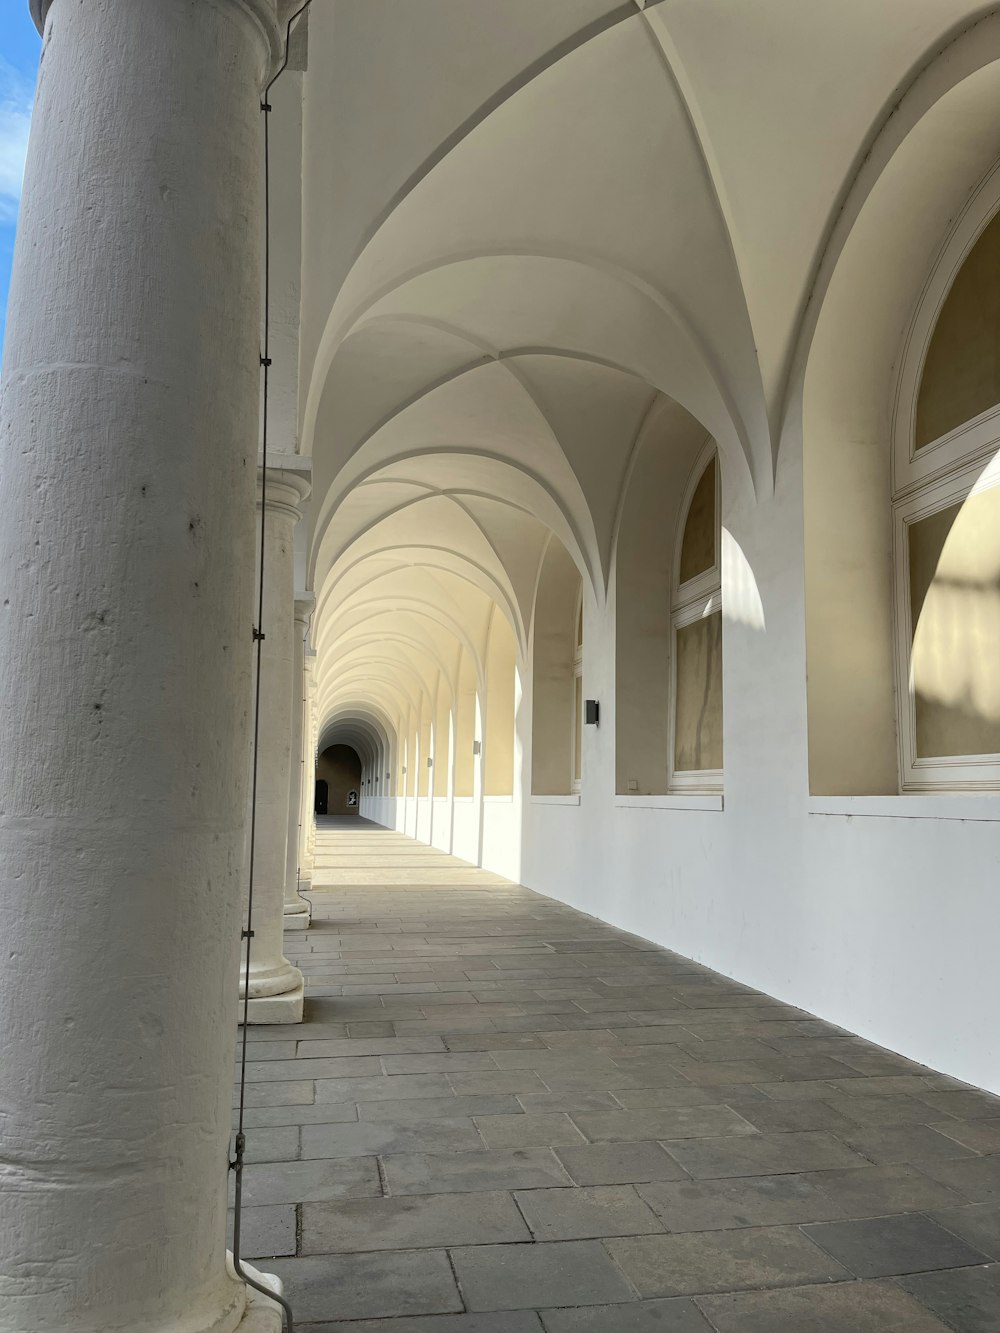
(501, 1116)
(673, 1316)
(359, 1286)
(511, 1277)
(855, 1307)
(417, 1222)
(710, 1261)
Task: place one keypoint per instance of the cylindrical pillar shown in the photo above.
(297, 908)
(307, 822)
(128, 436)
(313, 751)
(275, 986)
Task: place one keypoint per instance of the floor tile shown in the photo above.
(297, 1182)
(672, 1316)
(966, 1299)
(415, 1222)
(362, 1286)
(967, 1104)
(367, 1138)
(554, 1129)
(710, 1261)
(782, 1117)
(761, 1154)
(981, 1135)
(880, 1190)
(888, 1145)
(405, 1111)
(276, 1144)
(265, 1232)
(326, 1113)
(842, 1307)
(977, 1178)
(888, 1246)
(431, 1173)
(520, 1321)
(620, 1163)
(977, 1223)
(669, 1122)
(886, 1110)
(580, 1214)
(510, 1277)
(382, 1088)
(750, 1201)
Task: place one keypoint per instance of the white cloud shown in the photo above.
(15, 120)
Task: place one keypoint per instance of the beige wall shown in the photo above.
(553, 715)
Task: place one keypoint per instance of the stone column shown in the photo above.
(313, 750)
(128, 438)
(297, 909)
(307, 824)
(276, 987)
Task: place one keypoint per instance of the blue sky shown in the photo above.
(19, 49)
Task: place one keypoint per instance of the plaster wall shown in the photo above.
(837, 905)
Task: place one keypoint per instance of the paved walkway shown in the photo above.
(501, 1116)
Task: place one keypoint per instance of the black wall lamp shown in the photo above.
(592, 713)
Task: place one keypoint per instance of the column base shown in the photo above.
(285, 1008)
(261, 1315)
(298, 914)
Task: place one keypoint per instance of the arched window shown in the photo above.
(946, 521)
(696, 626)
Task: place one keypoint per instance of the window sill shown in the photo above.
(693, 800)
(957, 805)
(569, 798)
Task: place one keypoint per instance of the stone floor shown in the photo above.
(501, 1116)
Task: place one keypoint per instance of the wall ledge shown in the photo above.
(940, 805)
(693, 800)
(570, 798)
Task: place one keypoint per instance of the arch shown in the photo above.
(882, 261)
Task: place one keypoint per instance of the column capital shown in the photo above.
(263, 14)
(287, 489)
(305, 605)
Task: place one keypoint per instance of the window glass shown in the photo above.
(698, 543)
(961, 375)
(698, 727)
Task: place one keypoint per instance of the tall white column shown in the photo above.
(275, 986)
(128, 437)
(297, 909)
(307, 824)
(313, 750)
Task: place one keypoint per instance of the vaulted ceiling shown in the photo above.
(524, 224)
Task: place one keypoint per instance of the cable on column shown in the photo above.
(236, 1164)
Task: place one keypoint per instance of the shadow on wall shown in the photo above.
(340, 768)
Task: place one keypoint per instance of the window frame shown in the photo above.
(923, 481)
(693, 600)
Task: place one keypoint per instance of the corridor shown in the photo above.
(502, 1116)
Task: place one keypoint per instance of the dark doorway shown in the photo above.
(322, 796)
(339, 767)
